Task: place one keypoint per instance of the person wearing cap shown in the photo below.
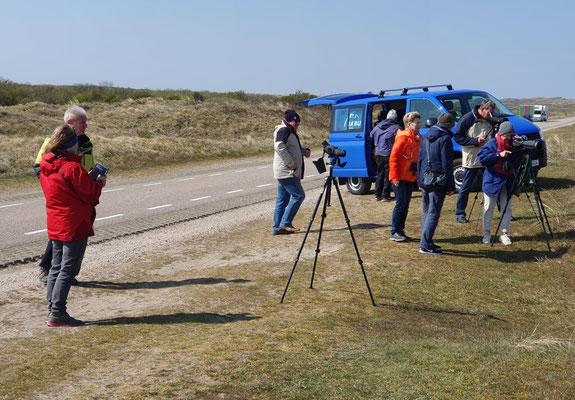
(473, 130)
(288, 167)
(70, 194)
(500, 165)
(76, 117)
(435, 153)
(403, 172)
(383, 136)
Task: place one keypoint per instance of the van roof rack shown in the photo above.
(405, 90)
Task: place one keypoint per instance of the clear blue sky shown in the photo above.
(509, 48)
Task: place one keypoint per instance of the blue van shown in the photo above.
(353, 116)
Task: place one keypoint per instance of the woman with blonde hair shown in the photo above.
(403, 172)
(70, 196)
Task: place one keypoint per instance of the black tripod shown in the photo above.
(526, 181)
(329, 182)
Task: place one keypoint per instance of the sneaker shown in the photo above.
(283, 232)
(378, 199)
(434, 246)
(432, 251)
(462, 220)
(408, 238)
(505, 239)
(387, 199)
(64, 320)
(397, 237)
(486, 238)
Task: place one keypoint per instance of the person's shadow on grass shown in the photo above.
(157, 284)
(178, 318)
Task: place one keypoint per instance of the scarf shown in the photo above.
(503, 165)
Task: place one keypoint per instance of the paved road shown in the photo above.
(167, 198)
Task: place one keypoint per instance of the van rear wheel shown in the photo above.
(358, 185)
(458, 172)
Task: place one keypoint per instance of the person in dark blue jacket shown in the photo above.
(435, 153)
(501, 164)
(383, 136)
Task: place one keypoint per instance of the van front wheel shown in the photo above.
(358, 185)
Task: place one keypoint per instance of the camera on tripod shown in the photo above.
(519, 144)
(332, 151)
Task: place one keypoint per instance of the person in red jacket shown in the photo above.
(403, 172)
(70, 194)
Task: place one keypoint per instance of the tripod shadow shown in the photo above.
(415, 307)
(509, 257)
(157, 284)
(178, 318)
(555, 183)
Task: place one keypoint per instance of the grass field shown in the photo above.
(475, 323)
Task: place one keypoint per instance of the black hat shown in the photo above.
(446, 120)
(291, 116)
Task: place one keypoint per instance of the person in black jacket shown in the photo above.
(383, 136)
(435, 153)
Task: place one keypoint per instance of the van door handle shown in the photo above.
(359, 136)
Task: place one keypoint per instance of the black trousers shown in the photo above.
(382, 184)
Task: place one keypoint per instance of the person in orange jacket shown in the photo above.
(403, 172)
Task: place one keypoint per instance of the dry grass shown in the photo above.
(475, 323)
(136, 134)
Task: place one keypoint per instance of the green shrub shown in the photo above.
(237, 95)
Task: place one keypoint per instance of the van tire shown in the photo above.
(458, 172)
(358, 185)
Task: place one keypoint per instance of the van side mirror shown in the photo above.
(430, 122)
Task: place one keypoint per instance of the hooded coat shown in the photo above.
(383, 136)
(405, 151)
(70, 196)
(440, 155)
(493, 181)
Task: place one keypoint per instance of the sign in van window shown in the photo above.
(347, 119)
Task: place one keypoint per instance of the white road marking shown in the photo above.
(186, 179)
(112, 190)
(201, 198)
(240, 170)
(267, 184)
(35, 232)
(235, 191)
(11, 205)
(216, 174)
(111, 216)
(263, 166)
(309, 176)
(154, 184)
(162, 206)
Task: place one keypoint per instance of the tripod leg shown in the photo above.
(354, 243)
(305, 237)
(539, 207)
(473, 205)
(323, 215)
(543, 208)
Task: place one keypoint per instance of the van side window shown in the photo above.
(347, 119)
(424, 107)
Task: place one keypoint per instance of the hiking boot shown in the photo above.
(462, 220)
(486, 238)
(64, 320)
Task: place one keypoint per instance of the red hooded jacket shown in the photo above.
(70, 196)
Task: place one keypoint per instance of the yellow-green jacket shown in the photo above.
(85, 149)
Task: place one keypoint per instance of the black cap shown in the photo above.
(446, 120)
(291, 116)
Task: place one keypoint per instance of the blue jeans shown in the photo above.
(402, 198)
(290, 197)
(66, 262)
(468, 178)
(432, 203)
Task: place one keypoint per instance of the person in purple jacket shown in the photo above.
(501, 164)
(383, 136)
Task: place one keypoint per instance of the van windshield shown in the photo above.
(459, 104)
